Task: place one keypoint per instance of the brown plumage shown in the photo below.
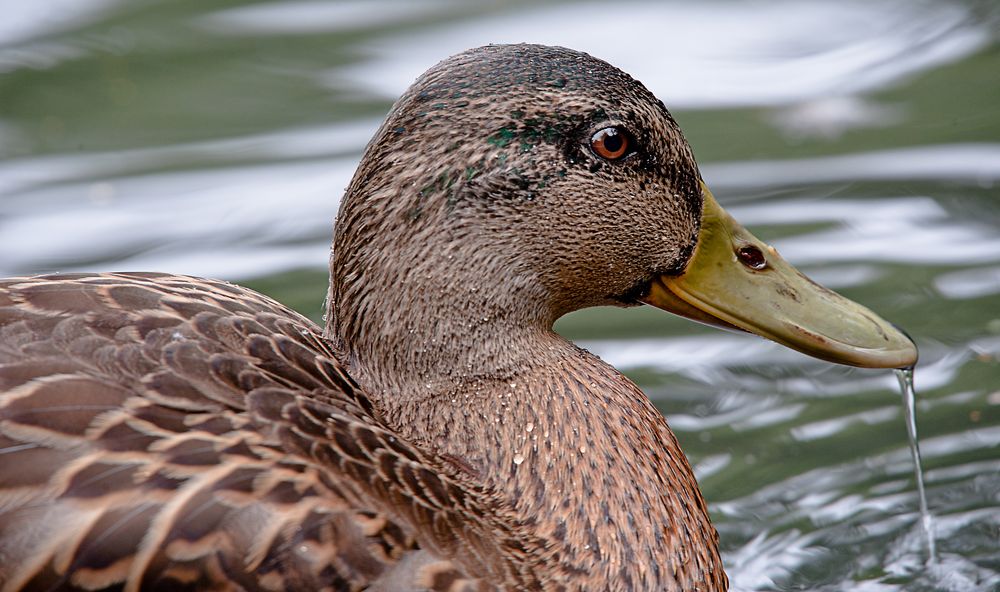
(163, 432)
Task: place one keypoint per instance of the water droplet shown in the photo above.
(905, 377)
(529, 427)
(518, 459)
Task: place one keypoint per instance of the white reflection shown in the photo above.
(233, 222)
(837, 277)
(969, 283)
(830, 427)
(764, 559)
(985, 346)
(18, 177)
(975, 163)
(769, 417)
(951, 444)
(913, 230)
(100, 211)
(711, 465)
(830, 117)
(683, 353)
(757, 53)
(315, 16)
(23, 19)
(954, 573)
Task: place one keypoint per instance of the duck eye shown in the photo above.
(611, 143)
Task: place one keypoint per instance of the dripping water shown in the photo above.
(905, 377)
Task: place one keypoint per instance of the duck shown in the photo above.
(167, 432)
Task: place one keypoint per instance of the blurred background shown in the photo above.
(861, 137)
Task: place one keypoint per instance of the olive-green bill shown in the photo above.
(734, 280)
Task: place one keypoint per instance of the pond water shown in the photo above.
(862, 138)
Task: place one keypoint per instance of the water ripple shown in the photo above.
(812, 49)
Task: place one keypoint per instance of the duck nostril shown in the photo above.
(752, 257)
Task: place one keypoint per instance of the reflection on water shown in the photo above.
(861, 138)
(712, 54)
(316, 16)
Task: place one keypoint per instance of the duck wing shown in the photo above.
(170, 432)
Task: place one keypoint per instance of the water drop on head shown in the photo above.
(518, 459)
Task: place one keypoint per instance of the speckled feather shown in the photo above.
(165, 432)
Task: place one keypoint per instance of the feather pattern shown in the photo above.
(169, 432)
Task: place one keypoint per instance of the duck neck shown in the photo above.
(425, 334)
(469, 368)
(575, 447)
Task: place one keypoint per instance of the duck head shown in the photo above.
(512, 184)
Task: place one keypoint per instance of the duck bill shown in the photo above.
(734, 280)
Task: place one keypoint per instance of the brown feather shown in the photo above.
(181, 456)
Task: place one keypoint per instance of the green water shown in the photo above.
(193, 136)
